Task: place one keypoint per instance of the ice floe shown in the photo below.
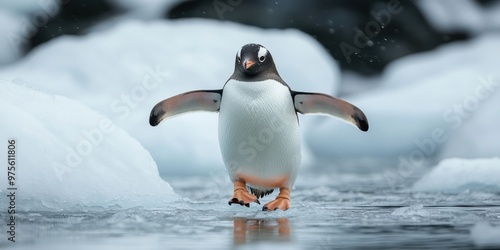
(68, 155)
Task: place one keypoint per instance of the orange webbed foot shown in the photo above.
(242, 196)
(282, 201)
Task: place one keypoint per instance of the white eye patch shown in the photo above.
(262, 52)
(239, 53)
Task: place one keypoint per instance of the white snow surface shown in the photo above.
(413, 210)
(68, 155)
(124, 71)
(437, 104)
(484, 234)
(457, 175)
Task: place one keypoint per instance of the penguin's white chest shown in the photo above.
(259, 133)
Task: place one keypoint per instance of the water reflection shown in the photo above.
(260, 230)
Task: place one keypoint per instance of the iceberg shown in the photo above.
(426, 106)
(474, 18)
(457, 175)
(477, 136)
(68, 155)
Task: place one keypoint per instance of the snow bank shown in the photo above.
(20, 21)
(123, 72)
(28, 6)
(456, 175)
(10, 26)
(485, 235)
(478, 136)
(461, 15)
(69, 155)
(425, 101)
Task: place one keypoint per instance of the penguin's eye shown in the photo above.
(262, 54)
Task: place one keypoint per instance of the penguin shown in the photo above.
(258, 130)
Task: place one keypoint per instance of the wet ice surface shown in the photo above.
(328, 211)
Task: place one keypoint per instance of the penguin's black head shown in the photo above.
(254, 59)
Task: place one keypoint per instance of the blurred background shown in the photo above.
(425, 72)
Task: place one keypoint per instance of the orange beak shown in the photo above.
(248, 63)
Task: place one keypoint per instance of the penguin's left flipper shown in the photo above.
(198, 100)
(318, 103)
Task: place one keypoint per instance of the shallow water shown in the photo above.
(328, 211)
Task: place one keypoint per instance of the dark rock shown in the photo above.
(74, 18)
(363, 36)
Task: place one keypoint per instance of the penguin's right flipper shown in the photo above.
(198, 100)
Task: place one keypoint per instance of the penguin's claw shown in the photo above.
(242, 196)
(244, 201)
(279, 203)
